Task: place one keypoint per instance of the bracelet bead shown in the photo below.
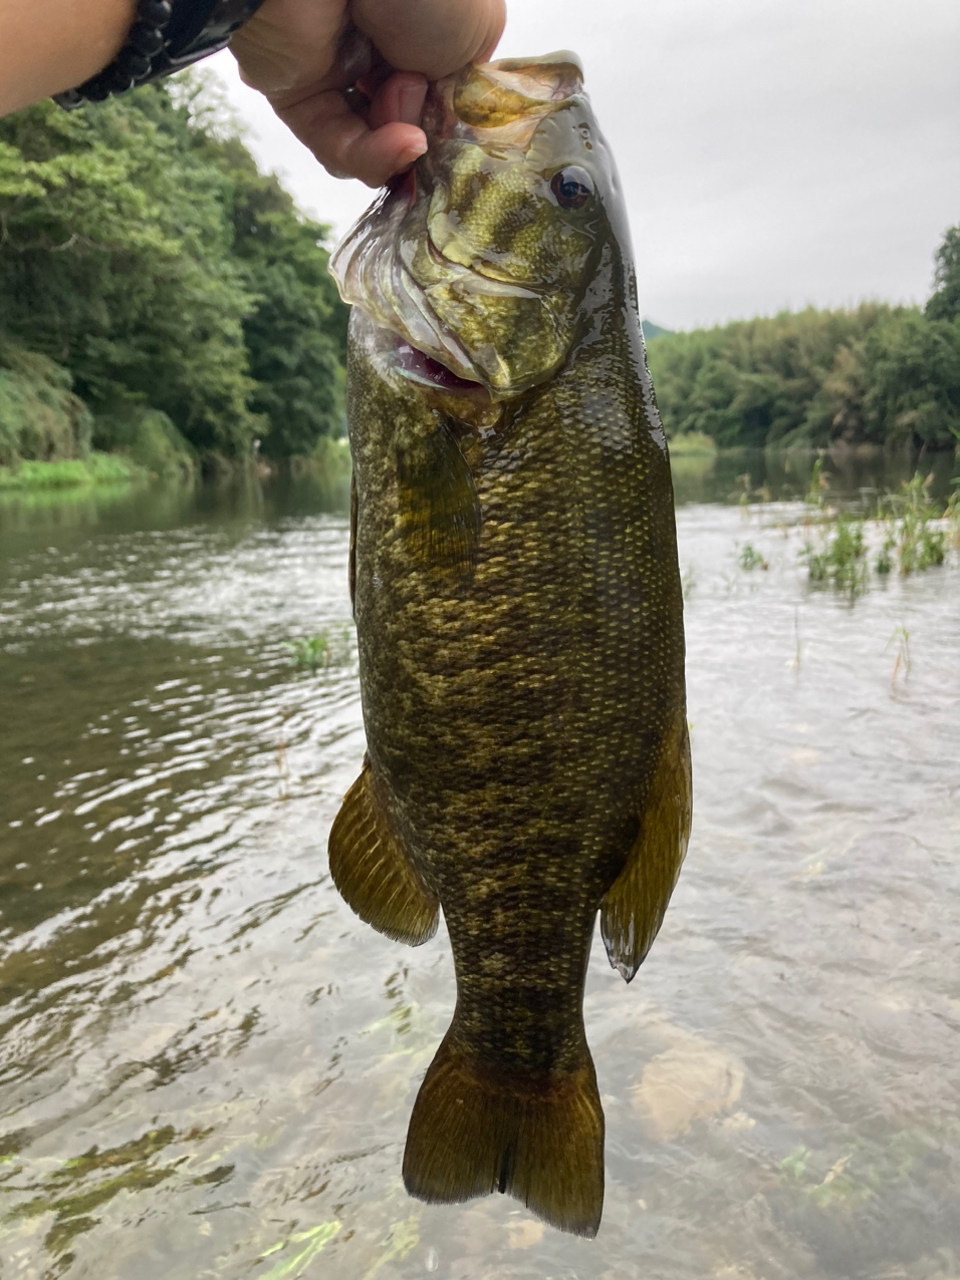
(131, 64)
(155, 13)
(145, 39)
(98, 92)
(166, 36)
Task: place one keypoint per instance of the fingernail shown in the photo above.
(411, 153)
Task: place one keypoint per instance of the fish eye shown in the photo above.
(572, 187)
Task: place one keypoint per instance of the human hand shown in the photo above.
(303, 55)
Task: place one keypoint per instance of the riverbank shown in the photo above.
(330, 458)
(69, 473)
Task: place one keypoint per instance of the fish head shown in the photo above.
(483, 261)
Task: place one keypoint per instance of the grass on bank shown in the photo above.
(96, 469)
(692, 444)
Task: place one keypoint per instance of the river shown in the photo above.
(207, 1063)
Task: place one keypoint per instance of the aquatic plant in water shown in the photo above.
(308, 1244)
(79, 1186)
(817, 488)
(841, 560)
(909, 544)
(311, 653)
(952, 513)
(901, 637)
(907, 516)
(750, 558)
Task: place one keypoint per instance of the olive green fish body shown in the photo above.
(519, 622)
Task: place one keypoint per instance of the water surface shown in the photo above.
(208, 1063)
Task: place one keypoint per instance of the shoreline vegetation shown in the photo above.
(167, 312)
(164, 302)
(887, 376)
(330, 458)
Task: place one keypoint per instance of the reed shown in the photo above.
(749, 558)
(840, 561)
(311, 653)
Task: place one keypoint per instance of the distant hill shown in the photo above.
(651, 330)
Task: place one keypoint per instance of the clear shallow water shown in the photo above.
(207, 1063)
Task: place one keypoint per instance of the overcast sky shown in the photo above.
(774, 153)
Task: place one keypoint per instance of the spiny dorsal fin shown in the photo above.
(372, 871)
(633, 910)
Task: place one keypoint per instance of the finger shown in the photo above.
(399, 98)
(346, 146)
(436, 37)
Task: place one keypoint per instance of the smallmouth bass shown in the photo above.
(519, 619)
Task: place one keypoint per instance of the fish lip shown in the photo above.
(444, 341)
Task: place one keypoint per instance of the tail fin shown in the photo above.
(472, 1133)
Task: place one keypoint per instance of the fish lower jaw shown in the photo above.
(428, 371)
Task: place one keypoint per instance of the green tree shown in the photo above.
(755, 382)
(945, 302)
(144, 253)
(911, 372)
(295, 332)
(116, 263)
(875, 374)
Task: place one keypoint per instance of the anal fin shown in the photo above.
(372, 871)
(634, 907)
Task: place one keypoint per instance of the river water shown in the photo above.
(207, 1062)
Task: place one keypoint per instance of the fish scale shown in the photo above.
(519, 624)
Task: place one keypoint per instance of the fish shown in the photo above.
(519, 615)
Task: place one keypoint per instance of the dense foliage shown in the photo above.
(159, 295)
(151, 265)
(878, 374)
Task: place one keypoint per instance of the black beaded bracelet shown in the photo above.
(166, 36)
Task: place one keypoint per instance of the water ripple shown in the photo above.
(209, 1062)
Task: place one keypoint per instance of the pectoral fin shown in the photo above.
(373, 872)
(633, 910)
(439, 506)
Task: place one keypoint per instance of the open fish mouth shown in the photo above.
(417, 366)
